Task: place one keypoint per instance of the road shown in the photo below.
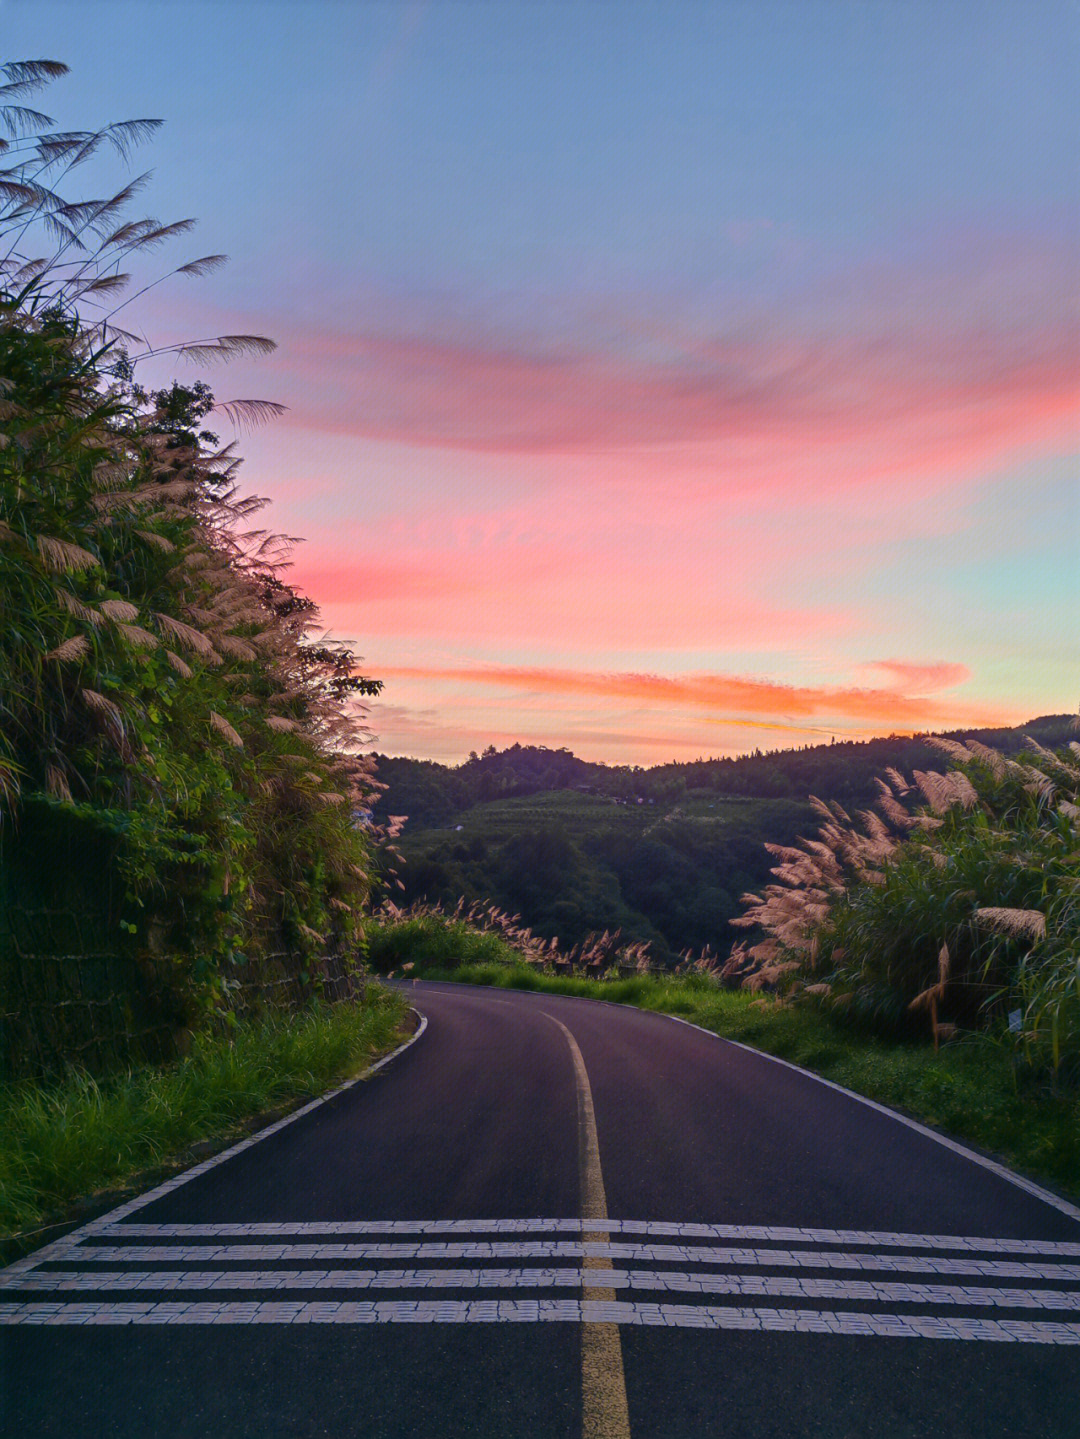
(553, 1217)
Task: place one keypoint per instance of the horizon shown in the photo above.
(757, 752)
(655, 387)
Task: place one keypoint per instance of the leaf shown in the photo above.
(206, 266)
(251, 413)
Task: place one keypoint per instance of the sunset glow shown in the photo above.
(663, 380)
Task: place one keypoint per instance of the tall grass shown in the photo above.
(65, 1140)
(160, 679)
(954, 904)
(483, 932)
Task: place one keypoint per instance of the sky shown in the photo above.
(663, 380)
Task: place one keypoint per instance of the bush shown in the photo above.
(964, 912)
(428, 940)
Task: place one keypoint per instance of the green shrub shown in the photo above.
(427, 940)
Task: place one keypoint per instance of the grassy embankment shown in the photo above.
(64, 1141)
(972, 1088)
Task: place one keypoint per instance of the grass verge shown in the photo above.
(971, 1089)
(63, 1141)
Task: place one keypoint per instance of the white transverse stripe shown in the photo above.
(775, 1233)
(568, 1249)
(892, 1326)
(759, 1285)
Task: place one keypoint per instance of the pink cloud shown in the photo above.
(938, 400)
(917, 678)
(663, 498)
(544, 587)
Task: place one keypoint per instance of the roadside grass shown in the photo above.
(972, 1088)
(444, 944)
(65, 1140)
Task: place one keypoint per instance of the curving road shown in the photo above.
(552, 1217)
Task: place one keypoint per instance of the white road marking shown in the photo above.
(1063, 1206)
(764, 1232)
(578, 1254)
(571, 1249)
(762, 1285)
(893, 1326)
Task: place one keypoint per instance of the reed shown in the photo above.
(957, 900)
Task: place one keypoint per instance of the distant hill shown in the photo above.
(662, 853)
(432, 794)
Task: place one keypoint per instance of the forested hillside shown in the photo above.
(663, 854)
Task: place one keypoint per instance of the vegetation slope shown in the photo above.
(661, 854)
(170, 723)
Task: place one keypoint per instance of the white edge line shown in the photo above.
(1063, 1206)
(59, 1247)
(1028, 1185)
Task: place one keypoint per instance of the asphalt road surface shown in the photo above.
(551, 1217)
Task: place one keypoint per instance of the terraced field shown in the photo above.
(582, 815)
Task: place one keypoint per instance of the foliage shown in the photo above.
(572, 863)
(965, 910)
(161, 679)
(75, 1136)
(661, 854)
(398, 942)
(483, 933)
(433, 795)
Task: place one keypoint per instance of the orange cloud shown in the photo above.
(737, 697)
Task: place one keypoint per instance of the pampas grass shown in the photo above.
(968, 906)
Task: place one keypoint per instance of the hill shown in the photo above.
(662, 853)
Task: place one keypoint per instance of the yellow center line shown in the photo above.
(603, 1382)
